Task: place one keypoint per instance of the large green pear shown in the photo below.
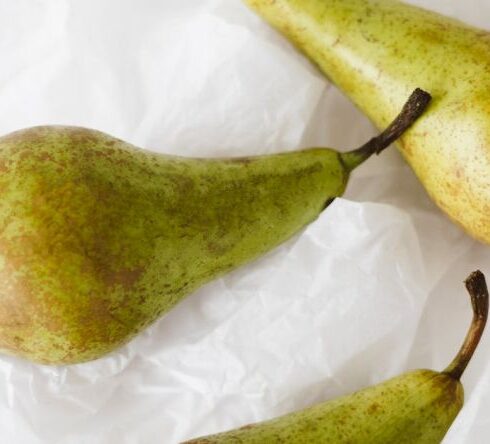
(98, 238)
(376, 51)
(417, 407)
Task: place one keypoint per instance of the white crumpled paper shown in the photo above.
(370, 290)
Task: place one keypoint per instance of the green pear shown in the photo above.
(376, 51)
(99, 238)
(417, 407)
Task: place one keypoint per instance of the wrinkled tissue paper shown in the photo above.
(371, 289)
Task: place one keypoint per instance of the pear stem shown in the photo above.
(477, 288)
(412, 110)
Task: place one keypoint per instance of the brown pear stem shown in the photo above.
(477, 288)
(413, 109)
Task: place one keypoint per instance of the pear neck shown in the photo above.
(412, 110)
(477, 288)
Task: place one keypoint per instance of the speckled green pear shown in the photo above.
(417, 407)
(99, 238)
(376, 51)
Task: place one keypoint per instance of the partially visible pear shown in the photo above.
(415, 408)
(376, 51)
(99, 238)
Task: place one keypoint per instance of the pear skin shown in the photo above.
(398, 411)
(99, 238)
(417, 407)
(375, 51)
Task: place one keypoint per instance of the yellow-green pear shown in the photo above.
(376, 51)
(417, 407)
(99, 238)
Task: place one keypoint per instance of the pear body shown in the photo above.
(99, 238)
(414, 408)
(378, 50)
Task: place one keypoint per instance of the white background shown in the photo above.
(368, 291)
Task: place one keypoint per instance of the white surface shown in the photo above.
(368, 291)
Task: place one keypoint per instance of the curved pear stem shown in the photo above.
(413, 109)
(477, 288)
